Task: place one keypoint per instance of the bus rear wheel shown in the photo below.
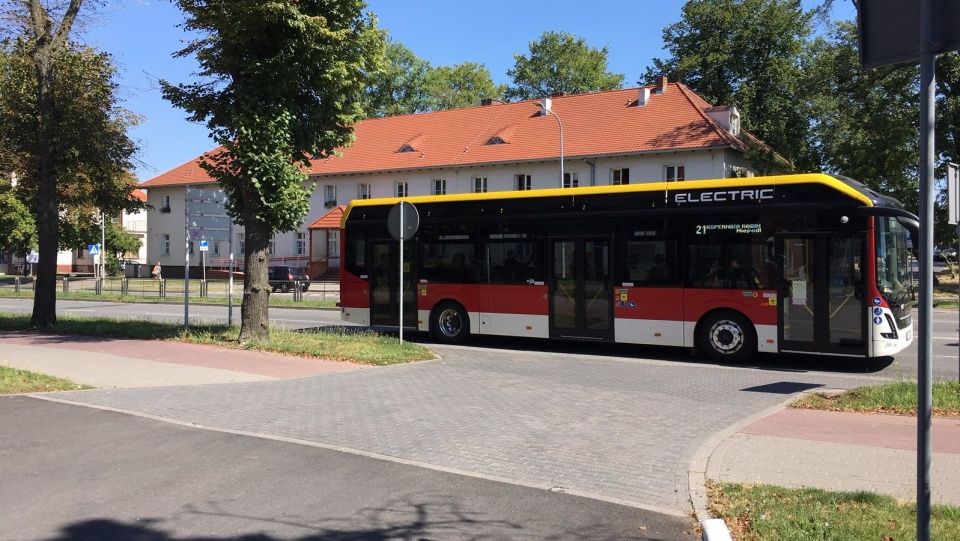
(727, 337)
(451, 324)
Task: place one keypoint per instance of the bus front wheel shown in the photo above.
(451, 324)
(727, 337)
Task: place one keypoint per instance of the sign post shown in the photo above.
(204, 248)
(207, 220)
(402, 223)
(94, 251)
(892, 31)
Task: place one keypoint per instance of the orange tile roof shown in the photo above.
(138, 194)
(597, 124)
(330, 220)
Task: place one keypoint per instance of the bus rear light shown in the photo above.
(770, 340)
(658, 335)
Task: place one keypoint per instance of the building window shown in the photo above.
(300, 246)
(363, 191)
(165, 206)
(480, 185)
(165, 244)
(216, 247)
(439, 186)
(571, 180)
(620, 177)
(241, 244)
(190, 247)
(330, 196)
(272, 245)
(674, 173)
(403, 189)
(523, 182)
(333, 243)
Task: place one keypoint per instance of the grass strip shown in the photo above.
(898, 398)
(13, 380)
(764, 512)
(339, 344)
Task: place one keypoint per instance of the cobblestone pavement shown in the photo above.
(619, 429)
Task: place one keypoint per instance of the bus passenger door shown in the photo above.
(581, 300)
(385, 284)
(820, 296)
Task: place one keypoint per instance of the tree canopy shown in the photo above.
(460, 85)
(560, 63)
(748, 53)
(62, 132)
(406, 84)
(280, 82)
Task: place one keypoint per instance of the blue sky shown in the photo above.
(143, 34)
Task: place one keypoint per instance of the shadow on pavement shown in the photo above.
(784, 362)
(448, 524)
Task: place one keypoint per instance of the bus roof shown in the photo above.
(742, 188)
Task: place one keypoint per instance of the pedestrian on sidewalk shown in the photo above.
(156, 272)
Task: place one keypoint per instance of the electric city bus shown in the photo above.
(806, 263)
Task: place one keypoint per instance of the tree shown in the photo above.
(61, 126)
(747, 53)
(864, 123)
(560, 63)
(282, 81)
(18, 229)
(397, 83)
(404, 84)
(460, 85)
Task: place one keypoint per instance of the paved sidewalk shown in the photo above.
(840, 451)
(792, 448)
(120, 363)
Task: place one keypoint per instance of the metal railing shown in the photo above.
(150, 288)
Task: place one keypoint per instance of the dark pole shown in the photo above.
(928, 61)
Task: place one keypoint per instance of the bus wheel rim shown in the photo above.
(450, 324)
(726, 337)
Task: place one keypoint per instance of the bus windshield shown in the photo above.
(893, 269)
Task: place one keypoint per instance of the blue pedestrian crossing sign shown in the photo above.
(94, 249)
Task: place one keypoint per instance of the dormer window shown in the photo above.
(735, 122)
(407, 148)
(496, 140)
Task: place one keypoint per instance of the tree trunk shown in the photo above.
(46, 205)
(254, 312)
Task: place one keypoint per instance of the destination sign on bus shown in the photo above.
(748, 229)
(723, 196)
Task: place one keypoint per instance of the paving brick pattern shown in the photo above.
(620, 429)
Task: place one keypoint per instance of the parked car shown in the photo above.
(283, 277)
(949, 253)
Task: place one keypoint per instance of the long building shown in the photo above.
(647, 134)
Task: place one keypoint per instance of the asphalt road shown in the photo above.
(74, 473)
(945, 343)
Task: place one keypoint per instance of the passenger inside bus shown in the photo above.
(659, 273)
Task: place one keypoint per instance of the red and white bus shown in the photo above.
(801, 263)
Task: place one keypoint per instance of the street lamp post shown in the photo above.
(548, 111)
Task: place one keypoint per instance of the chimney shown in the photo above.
(490, 101)
(661, 84)
(644, 96)
(545, 105)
